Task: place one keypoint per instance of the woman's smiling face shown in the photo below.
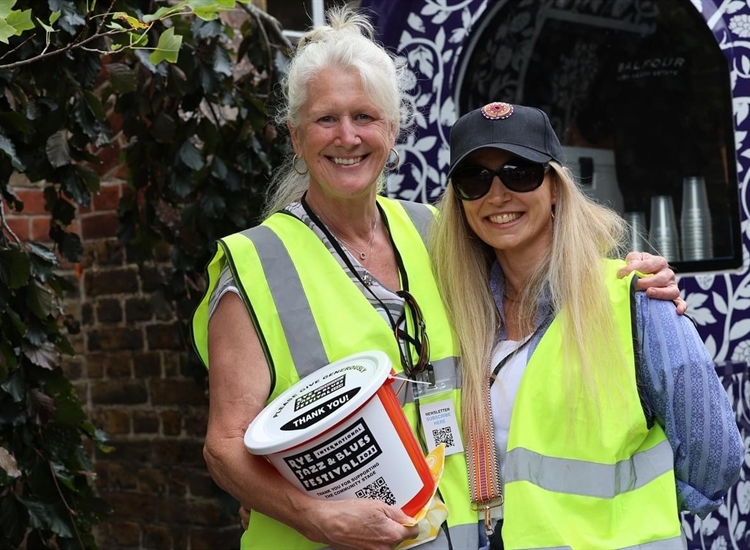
(343, 137)
(512, 223)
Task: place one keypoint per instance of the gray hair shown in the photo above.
(347, 42)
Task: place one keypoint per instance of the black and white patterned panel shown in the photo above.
(430, 37)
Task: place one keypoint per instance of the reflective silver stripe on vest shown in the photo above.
(421, 216)
(579, 477)
(302, 336)
(668, 544)
(462, 537)
(446, 372)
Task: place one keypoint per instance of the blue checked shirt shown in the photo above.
(680, 389)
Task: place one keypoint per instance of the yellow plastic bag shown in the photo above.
(433, 514)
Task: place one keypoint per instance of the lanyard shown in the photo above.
(500, 364)
(345, 257)
(403, 275)
(398, 331)
(481, 454)
(484, 477)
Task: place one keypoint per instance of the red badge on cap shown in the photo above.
(497, 110)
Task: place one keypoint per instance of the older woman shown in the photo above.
(325, 276)
(604, 409)
(334, 269)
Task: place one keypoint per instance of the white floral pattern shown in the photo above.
(431, 40)
(742, 352)
(740, 25)
(743, 496)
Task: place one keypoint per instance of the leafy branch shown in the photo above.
(16, 22)
(4, 224)
(198, 152)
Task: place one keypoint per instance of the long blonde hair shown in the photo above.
(347, 42)
(584, 233)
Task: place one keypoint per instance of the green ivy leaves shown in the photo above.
(198, 155)
(43, 467)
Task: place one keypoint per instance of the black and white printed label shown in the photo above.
(312, 416)
(441, 426)
(336, 458)
(363, 458)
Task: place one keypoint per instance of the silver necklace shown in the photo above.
(363, 255)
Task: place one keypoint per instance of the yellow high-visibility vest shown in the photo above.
(585, 478)
(308, 313)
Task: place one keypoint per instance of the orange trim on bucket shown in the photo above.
(393, 408)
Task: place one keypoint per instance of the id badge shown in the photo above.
(440, 425)
(433, 390)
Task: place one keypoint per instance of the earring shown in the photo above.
(294, 166)
(390, 166)
(553, 213)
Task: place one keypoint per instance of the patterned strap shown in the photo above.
(484, 477)
(481, 455)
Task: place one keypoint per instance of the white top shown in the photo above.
(503, 396)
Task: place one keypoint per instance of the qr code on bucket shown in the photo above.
(377, 490)
(443, 435)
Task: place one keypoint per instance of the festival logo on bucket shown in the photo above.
(340, 433)
(335, 458)
(319, 393)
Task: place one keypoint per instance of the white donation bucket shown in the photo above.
(340, 433)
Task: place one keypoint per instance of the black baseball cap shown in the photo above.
(523, 131)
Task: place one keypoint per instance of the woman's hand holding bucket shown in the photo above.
(364, 524)
(387, 523)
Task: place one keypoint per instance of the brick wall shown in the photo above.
(130, 371)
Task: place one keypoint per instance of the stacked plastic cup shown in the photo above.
(663, 228)
(696, 235)
(637, 239)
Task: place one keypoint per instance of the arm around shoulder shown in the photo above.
(681, 387)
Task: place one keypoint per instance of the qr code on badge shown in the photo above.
(377, 490)
(443, 435)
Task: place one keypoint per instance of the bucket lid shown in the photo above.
(317, 402)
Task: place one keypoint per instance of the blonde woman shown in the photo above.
(606, 413)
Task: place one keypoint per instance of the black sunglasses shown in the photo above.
(473, 182)
(416, 344)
